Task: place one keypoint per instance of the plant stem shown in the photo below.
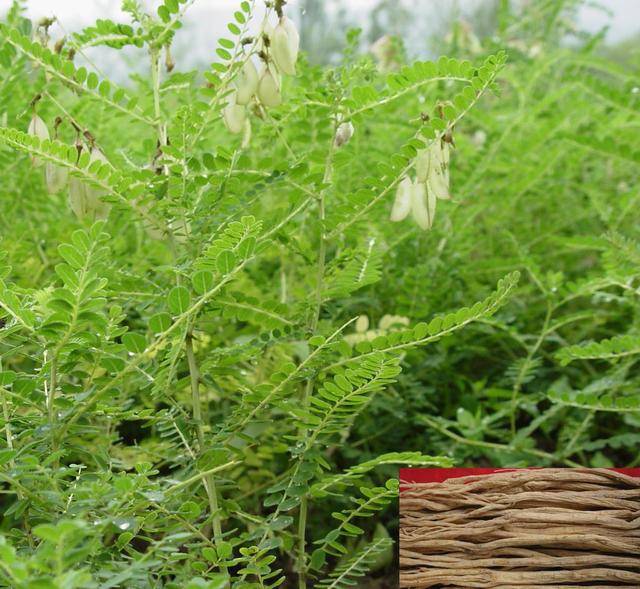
(495, 446)
(312, 325)
(155, 82)
(7, 424)
(51, 410)
(208, 480)
(201, 475)
(524, 368)
(53, 377)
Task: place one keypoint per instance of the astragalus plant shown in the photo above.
(206, 301)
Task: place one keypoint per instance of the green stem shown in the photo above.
(312, 325)
(517, 387)
(155, 83)
(495, 446)
(208, 480)
(201, 475)
(7, 424)
(51, 397)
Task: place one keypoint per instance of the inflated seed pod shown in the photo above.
(402, 203)
(86, 201)
(265, 40)
(362, 324)
(55, 177)
(37, 128)
(246, 83)
(439, 173)
(246, 133)
(269, 87)
(101, 207)
(432, 167)
(285, 43)
(423, 164)
(423, 205)
(78, 199)
(344, 132)
(234, 115)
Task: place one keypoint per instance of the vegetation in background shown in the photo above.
(215, 346)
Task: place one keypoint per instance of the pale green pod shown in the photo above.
(423, 164)
(362, 324)
(37, 128)
(439, 173)
(86, 201)
(285, 43)
(55, 178)
(269, 88)
(246, 133)
(78, 199)
(423, 205)
(100, 207)
(389, 321)
(246, 83)
(234, 115)
(402, 203)
(267, 31)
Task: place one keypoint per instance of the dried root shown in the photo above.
(522, 529)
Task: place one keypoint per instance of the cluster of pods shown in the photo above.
(85, 201)
(419, 196)
(277, 49)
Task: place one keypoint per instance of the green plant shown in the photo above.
(187, 391)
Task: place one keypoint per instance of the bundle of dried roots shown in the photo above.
(522, 529)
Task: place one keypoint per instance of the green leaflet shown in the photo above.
(609, 349)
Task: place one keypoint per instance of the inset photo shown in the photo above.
(520, 528)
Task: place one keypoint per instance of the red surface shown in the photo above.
(439, 475)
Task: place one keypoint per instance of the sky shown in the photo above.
(206, 21)
(625, 14)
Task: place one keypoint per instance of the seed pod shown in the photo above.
(439, 173)
(344, 132)
(246, 83)
(100, 207)
(432, 167)
(479, 138)
(265, 39)
(78, 199)
(423, 205)
(392, 321)
(385, 51)
(362, 324)
(234, 115)
(423, 164)
(402, 203)
(269, 88)
(285, 43)
(37, 128)
(86, 201)
(55, 177)
(246, 134)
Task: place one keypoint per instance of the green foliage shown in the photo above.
(608, 349)
(357, 566)
(214, 385)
